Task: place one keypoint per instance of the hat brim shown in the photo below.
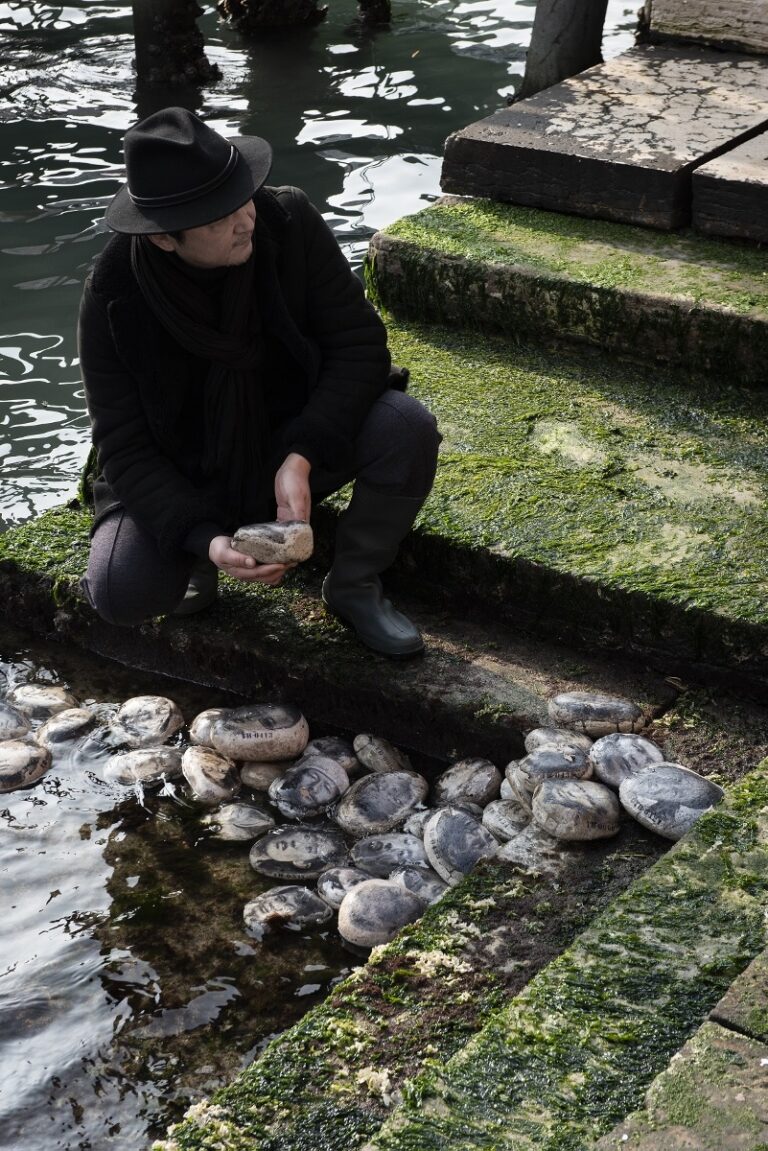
(252, 169)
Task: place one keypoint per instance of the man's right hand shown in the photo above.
(234, 563)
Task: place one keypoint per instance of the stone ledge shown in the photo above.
(699, 304)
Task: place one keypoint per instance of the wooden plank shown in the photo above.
(730, 194)
(620, 140)
(741, 25)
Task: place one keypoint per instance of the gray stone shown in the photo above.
(422, 881)
(414, 824)
(505, 818)
(239, 822)
(668, 798)
(200, 727)
(379, 754)
(379, 802)
(22, 763)
(594, 713)
(285, 907)
(147, 720)
(261, 731)
(334, 883)
(281, 542)
(556, 737)
(724, 23)
(468, 781)
(373, 912)
(455, 841)
(41, 700)
(333, 747)
(538, 853)
(618, 756)
(380, 855)
(617, 141)
(261, 776)
(13, 723)
(576, 809)
(309, 787)
(65, 727)
(518, 789)
(212, 777)
(298, 852)
(146, 765)
(546, 762)
(730, 194)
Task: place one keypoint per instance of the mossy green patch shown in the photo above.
(575, 1051)
(54, 544)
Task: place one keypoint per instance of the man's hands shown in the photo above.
(294, 502)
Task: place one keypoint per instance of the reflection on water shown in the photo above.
(358, 118)
(127, 986)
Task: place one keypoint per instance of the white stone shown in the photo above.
(212, 777)
(379, 754)
(286, 906)
(616, 757)
(22, 763)
(373, 912)
(576, 809)
(147, 765)
(148, 720)
(279, 542)
(594, 713)
(41, 700)
(668, 798)
(455, 842)
(468, 781)
(261, 731)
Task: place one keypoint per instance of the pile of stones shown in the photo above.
(377, 841)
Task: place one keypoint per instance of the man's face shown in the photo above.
(221, 244)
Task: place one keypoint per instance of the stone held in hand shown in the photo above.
(22, 763)
(280, 542)
(668, 798)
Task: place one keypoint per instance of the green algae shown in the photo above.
(54, 544)
(574, 1052)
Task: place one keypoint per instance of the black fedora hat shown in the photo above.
(182, 174)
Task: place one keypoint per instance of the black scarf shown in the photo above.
(213, 315)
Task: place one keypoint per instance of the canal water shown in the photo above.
(127, 985)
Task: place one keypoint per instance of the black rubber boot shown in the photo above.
(367, 539)
(201, 590)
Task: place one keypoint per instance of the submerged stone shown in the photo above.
(261, 731)
(147, 720)
(239, 822)
(380, 854)
(200, 727)
(556, 737)
(455, 841)
(65, 727)
(668, 798)
(293, 852)
(379, 754)
(377, 803)
(309, 787)
(505, 818)
(212, 777)
(334, 883)
(468, 781)
(261, 776)
(13, 723)
(548, 762)
(22, 763)
(284, 907)
(616, 757)
(334, 747)
(146, 765)
(594, 713)
(278, 542)
(424, 882)
(40, 700)
(576, 809)
(373, 912)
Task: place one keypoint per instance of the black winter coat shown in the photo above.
(329, 364)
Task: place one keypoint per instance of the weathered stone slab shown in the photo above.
(618, 141)
(744, 1007)
(712, 1097)
(724, 23)
(730, 193)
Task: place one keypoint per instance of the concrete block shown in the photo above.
(730, 193)
(617, 142)
(744, 1007)
(726, 23)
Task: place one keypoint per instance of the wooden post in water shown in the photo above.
(170, 49)
(566, 38)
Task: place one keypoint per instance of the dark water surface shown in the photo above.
(127, 985)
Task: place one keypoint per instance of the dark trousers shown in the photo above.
(128, 580)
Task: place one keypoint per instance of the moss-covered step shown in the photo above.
(474, 692)
(712, 1097)
(618, 141)
(744, 1007)
(698, 303)
(575, 1052)
(611, 503)
(730, 194)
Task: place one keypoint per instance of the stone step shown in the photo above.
(698, 303)
(618, 141)
(724, 23)
(730, 194)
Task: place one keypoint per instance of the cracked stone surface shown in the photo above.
(618, 141)
(730, 193)
(726, 22)
(744, 1007)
